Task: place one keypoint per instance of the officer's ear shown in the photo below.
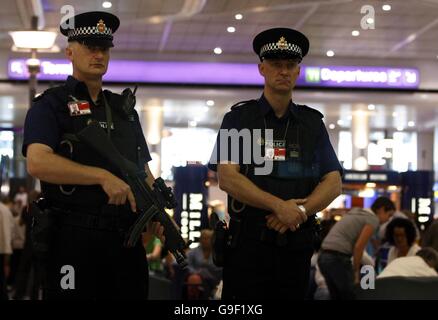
(261, 66)
(69, 51)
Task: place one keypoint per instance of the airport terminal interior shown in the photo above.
(371, 71)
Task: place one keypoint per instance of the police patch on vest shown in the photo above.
(79, 108)
(275, 150)
(104, 125)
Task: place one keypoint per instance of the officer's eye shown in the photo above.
(96, 49)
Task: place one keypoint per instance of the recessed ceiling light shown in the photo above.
(340, 123)
(355, 33)
(330, 53)
(394, 114)
(411, 124)
(107, 4)
(400, 128)
(370, 20)
(210, 103)
(217, 50)
(371, 107)
(386, 7)
(231, 29)
(238, 16)
(193, 123)
(332, 126)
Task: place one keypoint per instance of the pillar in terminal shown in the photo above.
(152, 121)
(360, 132)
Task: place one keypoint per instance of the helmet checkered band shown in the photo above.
(89, 31)
(280, 45)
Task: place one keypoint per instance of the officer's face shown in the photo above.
(280, 74)
(88, 61)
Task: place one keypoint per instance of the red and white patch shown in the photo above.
(275, 150)
(79, 108)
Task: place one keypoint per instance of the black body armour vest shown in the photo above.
(294, 178)
(125, 135)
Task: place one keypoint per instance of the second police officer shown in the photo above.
(268, 253)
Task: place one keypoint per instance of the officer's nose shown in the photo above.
(98, 53)
(284, 70)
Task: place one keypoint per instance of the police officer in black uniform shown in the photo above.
(90, 207)
(272, 227)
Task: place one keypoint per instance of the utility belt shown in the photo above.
(254, 228)
(48, 216)
(86, 221)
(106, 217)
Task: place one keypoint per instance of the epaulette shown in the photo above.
(114, 97)
(56, 90)
(303, 107)
(242, 103)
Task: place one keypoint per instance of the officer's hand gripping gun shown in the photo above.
(150, 203)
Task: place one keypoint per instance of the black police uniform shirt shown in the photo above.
(324, 157)
(45, 124)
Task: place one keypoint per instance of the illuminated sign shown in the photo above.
(191, 217)
(356, 176)
(221, 73)
(423, 208)
(369, 77)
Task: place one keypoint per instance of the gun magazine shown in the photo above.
(138, 227)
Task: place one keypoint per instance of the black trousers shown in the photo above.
(103, 267)
(3, 289)
(256, 269)
(337, 270)
(24, 273)
(15, 263)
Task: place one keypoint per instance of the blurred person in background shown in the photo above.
(18, 241)
(200, 262)
(430, 238)
(21, 196)
(401, 234)
(423, 264)
(348, 238)
(154, 249)
(6, 229)
(24, 279)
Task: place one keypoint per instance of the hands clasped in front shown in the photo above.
(286, 215)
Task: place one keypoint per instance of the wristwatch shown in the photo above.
(303, 210)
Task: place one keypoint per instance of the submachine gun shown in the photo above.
(150, 203)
